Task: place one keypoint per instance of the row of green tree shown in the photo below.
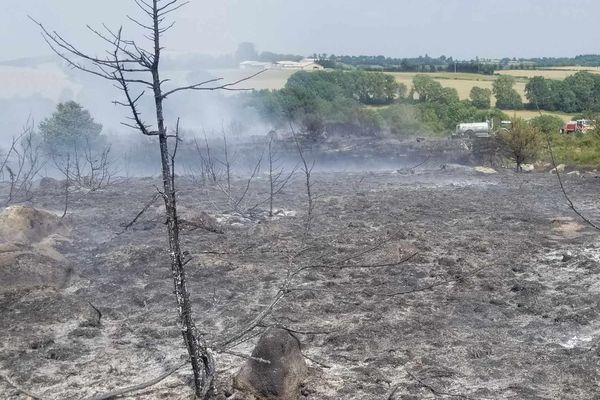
(443, 63)
(441, 109)
(319, 101)
(314, 100)
(576, 93)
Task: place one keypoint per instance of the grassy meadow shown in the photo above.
(582, 151)
(528, 114)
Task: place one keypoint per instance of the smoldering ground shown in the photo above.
(499, 301)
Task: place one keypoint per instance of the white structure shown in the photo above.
(255, 65)
(306, 64)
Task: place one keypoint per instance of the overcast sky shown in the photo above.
(399, 28)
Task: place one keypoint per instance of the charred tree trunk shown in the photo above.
(202, 361)
(131, 66)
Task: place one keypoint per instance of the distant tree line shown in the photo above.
(440, 108)
(576, 93)
(318, 102)
(585, 60)
(443, 63)
(247, 52)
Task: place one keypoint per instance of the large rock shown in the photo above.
(27, 225)
(527, 167)
(485, 170)
(28, 257)
(282, 377)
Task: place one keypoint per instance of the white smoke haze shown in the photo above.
(34, 83)
(207, 33)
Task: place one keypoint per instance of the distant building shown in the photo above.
(255, 65)
(306, 64)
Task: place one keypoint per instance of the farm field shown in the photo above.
(463, 83)
(550, 73)
(50, 81)
(276, 79)
(270, 79)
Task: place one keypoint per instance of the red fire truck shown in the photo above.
(581, 125)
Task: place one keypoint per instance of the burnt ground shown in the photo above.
(500, 302)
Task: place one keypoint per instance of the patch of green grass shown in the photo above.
(530, 114)
(582, 151)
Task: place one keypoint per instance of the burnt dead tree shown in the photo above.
(307, 168)
(22, 164)
(278, 179)
(134, 70)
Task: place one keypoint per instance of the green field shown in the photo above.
(576, 150)
(528, 114)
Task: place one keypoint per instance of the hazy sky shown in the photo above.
(459, 28)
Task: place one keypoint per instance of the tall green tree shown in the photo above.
(70, 125)
(538, 93)
(481, 98)
(426, 88)
(507, 98)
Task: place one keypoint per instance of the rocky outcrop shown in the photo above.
(28, 257)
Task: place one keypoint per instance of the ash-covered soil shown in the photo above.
(501, 300)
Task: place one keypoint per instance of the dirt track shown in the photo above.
(504, 289)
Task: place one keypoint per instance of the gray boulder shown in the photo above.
(279, 379)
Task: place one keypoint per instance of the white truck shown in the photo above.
(474, 129)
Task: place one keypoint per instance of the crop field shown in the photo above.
(462, 82)
(269, 79)
(550, 73)
(276, 79)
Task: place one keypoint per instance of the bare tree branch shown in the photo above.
(202, 85)
(138, 387)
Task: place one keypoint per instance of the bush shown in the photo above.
(481, 98)
(69, 126)
(521, 143)
(547, 124)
